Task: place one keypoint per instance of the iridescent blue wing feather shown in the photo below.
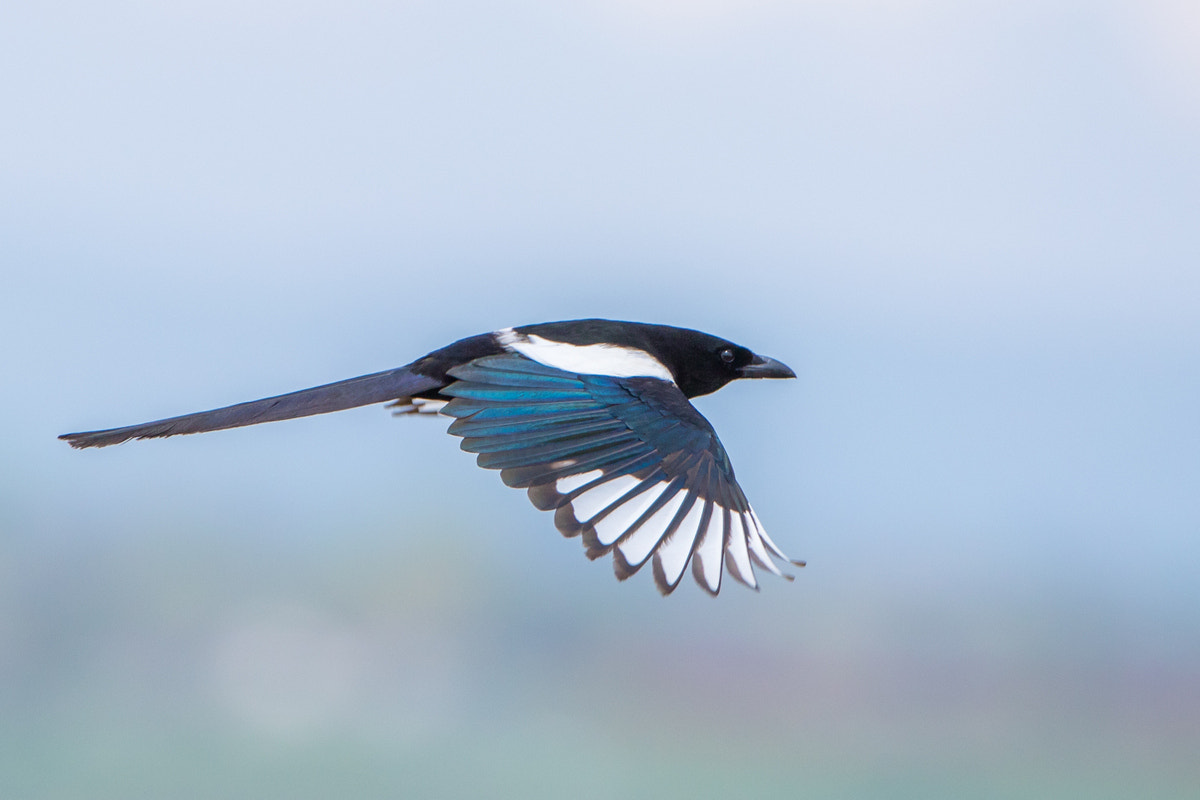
(628, 464)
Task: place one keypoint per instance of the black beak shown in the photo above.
(763, 367)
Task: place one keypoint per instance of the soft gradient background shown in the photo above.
(973, 230)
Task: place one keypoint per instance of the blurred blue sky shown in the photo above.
(974, 231)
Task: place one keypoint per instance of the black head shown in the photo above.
(702, 363)
(699, 362)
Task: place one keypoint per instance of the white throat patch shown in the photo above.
(587, 359)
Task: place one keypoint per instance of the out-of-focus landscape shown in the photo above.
(973, 231)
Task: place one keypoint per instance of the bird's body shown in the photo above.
(592, 417)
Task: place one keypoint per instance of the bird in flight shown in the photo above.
(592, 417)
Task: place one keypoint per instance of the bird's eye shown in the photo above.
(726, 355)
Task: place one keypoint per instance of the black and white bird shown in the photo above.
(592, 417)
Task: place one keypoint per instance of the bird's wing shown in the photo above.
(628, 463)
(364, 390)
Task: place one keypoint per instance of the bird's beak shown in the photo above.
(764, 367)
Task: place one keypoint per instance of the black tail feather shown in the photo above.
(379, 387)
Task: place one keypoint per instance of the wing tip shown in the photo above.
(750, 581)
(545, 497)
(660, 577)
(565, 522)
(621, 566)
(701, 579)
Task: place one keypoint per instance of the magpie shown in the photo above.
(592, 417)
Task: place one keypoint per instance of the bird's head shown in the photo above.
(702, 363)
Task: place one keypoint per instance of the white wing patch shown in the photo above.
(586, 359)
(572, 482)
(737, 556)
(774, 548)
(754, 538)
(587, 505)
(614, 524)
(706, 558)
(673, 554)
(636, 548)
(719, 540)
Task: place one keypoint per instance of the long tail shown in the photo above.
(365, 390)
